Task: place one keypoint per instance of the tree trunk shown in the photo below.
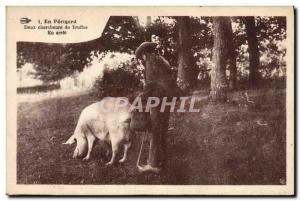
(146, 31)
(253, 51)
(231, 57)
(187, 73)
(218, 83)
(233, 73)
(148, 34)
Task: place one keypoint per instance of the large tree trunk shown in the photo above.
(187, 73)
(218, 83)
(253, 50)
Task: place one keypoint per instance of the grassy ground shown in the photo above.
(231, 143)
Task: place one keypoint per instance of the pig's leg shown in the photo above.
(114, 147)
(107, 146)
(90, 139)
(80, 147)
(126, 148)
(76, 153)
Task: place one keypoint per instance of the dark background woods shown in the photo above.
(224, 53)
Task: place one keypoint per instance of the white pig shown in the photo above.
(107, 125)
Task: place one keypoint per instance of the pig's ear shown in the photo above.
(71, 140)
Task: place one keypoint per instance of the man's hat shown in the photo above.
(144, 47)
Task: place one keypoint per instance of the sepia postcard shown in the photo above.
(150, 100)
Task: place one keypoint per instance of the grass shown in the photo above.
(231, 143)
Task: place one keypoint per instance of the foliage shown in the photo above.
(164, 32)
(272, 38)
(271, 34)
(119, 81)
(53, 62)
(38, 88)
(123, 34)
(85, 79)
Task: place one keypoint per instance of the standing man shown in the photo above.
(158, 83)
